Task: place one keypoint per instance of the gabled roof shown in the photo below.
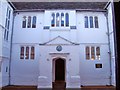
(59, 40)
(59, 5)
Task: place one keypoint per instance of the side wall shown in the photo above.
(5, 44)
(111, 35)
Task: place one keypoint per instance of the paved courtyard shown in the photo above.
(82, 88)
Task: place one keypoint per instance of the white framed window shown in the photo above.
(92, 52)
(27, 52)
(7, 24)
(91, 22)
(32, 55)
(59, 19)
(29, 22)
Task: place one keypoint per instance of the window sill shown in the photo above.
(59, 28)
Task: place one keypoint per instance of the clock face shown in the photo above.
(59, 48)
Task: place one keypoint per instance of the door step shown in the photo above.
(59, 85)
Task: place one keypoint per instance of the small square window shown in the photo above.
(98, 65)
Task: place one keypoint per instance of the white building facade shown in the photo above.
(6, 19)
(70, 45)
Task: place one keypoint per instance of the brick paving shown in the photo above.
(35, 88)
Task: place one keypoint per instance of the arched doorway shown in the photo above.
(59, 69)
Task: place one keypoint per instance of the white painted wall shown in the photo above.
(46, 73)
(38, 72)
(4, 45)
(90, 75)
(24, 72)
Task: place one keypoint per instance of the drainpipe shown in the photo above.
(14, 14)
(108, 33)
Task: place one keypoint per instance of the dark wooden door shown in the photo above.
(59, 70)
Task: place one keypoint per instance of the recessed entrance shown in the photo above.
(60, 69)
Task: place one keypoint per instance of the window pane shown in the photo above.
(57, 19)
(8, 24)
(62, 19)
(53, 20)
(7, 11)
(27, 53)
(34, 22)
(67, 19)
(29, 22)
(22, 53)
(91, 22)
(87, 53)
(9, 14)
(92, 53)
(98, 53)
(96, 22)
(7, 34)
(86, 22)
(32, 53)
(24, 22)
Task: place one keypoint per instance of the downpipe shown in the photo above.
(9, 83)
(108, 34)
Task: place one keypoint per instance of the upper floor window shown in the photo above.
(96, 22)
(92, 53)
(7, 24)
(86, 22)
(27, 52)
(91, 22)
(53, 20)
(34, 22)
(60, 20)
(29, 22)
(67, 19)
(57, 19)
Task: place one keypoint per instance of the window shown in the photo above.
(96, 22)
(86, 21)
(6, 69)
(53, 20)
(27, 52)
(24, 22)
(87, 53)
(91, 22)
(29, 22)
(22, 53)
(92, 53)
(67, 20)
(57, 19)
(7, 24)
(60, 20)
(98, 53)
(34, 22)
(32, 53)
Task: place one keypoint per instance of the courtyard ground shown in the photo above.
(35, 88)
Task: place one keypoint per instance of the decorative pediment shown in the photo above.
(59, 40)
